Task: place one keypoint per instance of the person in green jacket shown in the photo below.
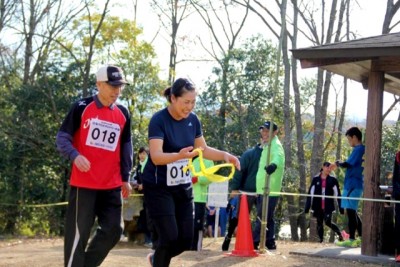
(275, 169)
(244, 180)
(200, 192)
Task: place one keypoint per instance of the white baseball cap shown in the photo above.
(111, 74)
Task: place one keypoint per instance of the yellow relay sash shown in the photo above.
(209, 173)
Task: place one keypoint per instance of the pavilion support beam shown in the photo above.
(373, 139)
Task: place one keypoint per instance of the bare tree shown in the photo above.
(388, 25)
(224, 33)
(92, 38)
(40, 23)
(171, 15)
(7, 9)
(391, 9)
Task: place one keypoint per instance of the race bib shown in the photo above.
(103, 134)
(176, 175)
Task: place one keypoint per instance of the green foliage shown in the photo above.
(30, 165)
(31, 170)
(390, 145)
(249, 81)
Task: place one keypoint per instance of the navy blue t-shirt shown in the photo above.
(175, 134)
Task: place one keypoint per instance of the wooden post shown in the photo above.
(373, 138)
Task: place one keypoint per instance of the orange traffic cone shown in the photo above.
(244, 240)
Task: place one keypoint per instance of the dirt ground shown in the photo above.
(49, 252)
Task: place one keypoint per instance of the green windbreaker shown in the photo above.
(277, 157)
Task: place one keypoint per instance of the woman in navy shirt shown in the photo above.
(173, 134)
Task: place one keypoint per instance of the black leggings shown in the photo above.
(354, 223)
(171, 213)
(327, 217)
(174, 237)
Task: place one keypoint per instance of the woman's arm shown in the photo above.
(159, 157)
(215, 154)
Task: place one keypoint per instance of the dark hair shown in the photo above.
(326, 163)
(179, 87)
(141, 150)
(354, 131)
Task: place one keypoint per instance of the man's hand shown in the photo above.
(234, 193)
(271, 168)
(82, 163)
(126, 189)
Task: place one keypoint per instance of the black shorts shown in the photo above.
(162, 200)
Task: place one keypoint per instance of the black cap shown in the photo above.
(267, 125)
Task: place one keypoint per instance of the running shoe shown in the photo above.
(150, 259)
(397, 259)
(148, 244)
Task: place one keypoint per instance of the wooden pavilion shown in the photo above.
(375, 62)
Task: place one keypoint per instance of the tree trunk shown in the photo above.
(371, 220)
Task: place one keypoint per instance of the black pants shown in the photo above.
(354, 223)
(171, 211)
(397, 228)
(84, 206)
(270, 229)
(198, 224)
(233, 222)
(327, 217)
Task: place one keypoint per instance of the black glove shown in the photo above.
(271, 168)
(343, 164)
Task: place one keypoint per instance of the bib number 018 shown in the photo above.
(175, 173)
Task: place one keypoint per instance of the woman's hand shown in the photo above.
(232, 159)
(187, 152)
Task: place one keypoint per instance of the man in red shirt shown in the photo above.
(96, 136)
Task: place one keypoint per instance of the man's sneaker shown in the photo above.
(148, 244)
(150, 259)
(225, 245)
(255, 246)
(397, 259)
(340, 238)
(271, 246)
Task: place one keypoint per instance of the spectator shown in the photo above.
(324, 185)
(396, 196)
(275, 170)
(353, 186)
(200, 191)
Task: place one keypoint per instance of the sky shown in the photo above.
(366, 20)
